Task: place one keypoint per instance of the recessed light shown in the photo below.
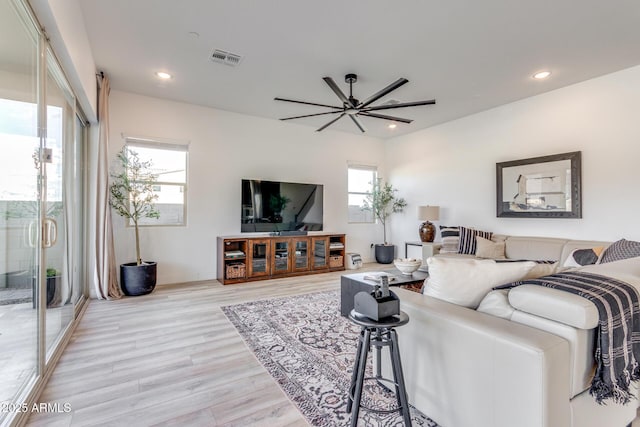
(392, 126)
(162, 75)
(542, 75)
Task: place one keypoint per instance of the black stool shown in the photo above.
(377, 333)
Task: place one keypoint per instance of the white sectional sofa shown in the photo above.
(466, 368)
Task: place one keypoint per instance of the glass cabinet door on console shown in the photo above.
(281, 262)
(301, 254)
(259, 258)
(320, 252)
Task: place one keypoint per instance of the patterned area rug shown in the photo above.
(309, 349)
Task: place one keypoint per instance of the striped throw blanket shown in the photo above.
(618, 336)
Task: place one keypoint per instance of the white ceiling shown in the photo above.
(468, 55)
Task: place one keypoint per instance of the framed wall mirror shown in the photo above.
(540, 187)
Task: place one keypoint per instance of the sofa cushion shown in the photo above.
(468, 239)
(486, 248)
(556, 305)
(496, 303)
(622, 249)
(450, 239)
(538, 248)
(627, 270)
(567, 308)
(466, 281)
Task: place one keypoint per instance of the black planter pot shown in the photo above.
(138, 279)
(385, 253)
(52, 285)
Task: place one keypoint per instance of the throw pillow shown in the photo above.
(450, 239)
(486, 248)
(496, 303)
(542, 268)
(622, 249)
(580, 257)
(465, 281)
(468, 239)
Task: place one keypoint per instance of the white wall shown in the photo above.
(453, 165)
(64, 25)
(224, 148)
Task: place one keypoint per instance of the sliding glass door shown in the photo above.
(42, 276)
(19, 203)
(60, 189)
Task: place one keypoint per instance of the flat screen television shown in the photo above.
(272, 206)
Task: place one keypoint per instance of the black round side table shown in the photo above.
(378, 334)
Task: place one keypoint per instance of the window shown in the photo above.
(360, 183)
(169, 163)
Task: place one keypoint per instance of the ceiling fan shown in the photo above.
(354, 108)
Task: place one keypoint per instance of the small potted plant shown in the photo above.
(383, 202)
(132, 197)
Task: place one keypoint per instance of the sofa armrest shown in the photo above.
(465, 368)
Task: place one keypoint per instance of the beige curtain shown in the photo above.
(106, 279)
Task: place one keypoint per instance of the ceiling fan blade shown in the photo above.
(310, 115)
(358, 123)
(334, 87)
(381, 116)
(331, 122)
(393, 86)
(402, 105)
(307, 103)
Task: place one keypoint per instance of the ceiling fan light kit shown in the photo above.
(353, 108)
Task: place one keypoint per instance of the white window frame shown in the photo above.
(157, 144)
(369, 168)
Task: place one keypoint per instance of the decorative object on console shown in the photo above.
(450, 239)
(383, 202)
(619, 250)
(353, 108)
(427, 230)
(540, 187)
(407, 265)
(468, 239)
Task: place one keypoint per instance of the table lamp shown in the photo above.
(427, 230)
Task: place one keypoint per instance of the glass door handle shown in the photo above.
(49, 232)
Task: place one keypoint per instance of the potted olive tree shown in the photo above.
(132, 197)
(383, 202)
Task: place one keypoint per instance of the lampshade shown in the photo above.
(428, 213)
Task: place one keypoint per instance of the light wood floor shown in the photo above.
(172, 358)
(18, 354)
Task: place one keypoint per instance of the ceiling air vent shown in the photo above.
(225, 57)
